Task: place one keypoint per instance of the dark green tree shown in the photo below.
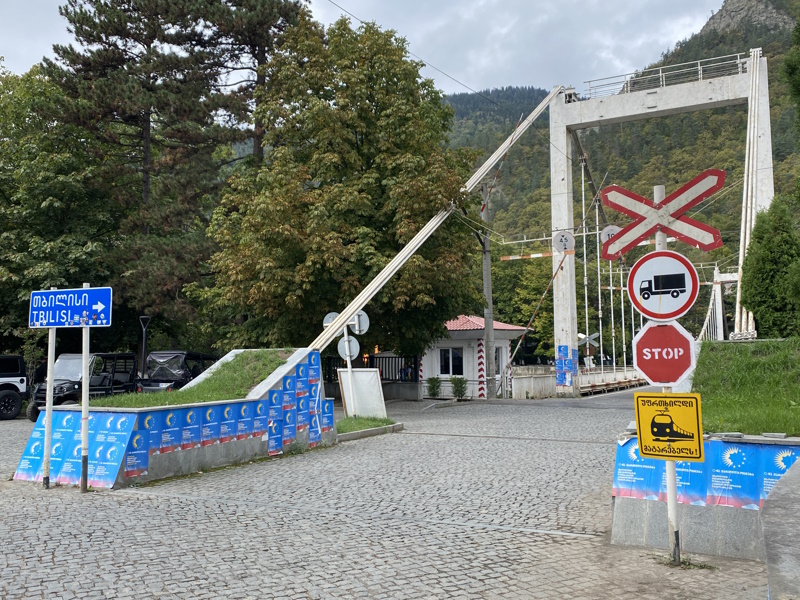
(771, 271)
(56, 224)
(141, 82)
(247, 33)
(355, 166)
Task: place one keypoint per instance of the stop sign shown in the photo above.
(664, 353)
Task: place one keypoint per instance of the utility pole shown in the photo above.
(488, 312)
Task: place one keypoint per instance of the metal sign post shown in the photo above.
(48, 413)
(145, 321)
(85, 380)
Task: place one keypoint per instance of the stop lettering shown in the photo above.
(664, 353)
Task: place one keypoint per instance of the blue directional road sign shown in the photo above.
(83, 307)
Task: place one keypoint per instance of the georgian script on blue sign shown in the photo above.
(82, 307)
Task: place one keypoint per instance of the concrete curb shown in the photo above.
(365, 433)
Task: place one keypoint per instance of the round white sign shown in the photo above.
(348, 346)
(663, 285)
(362, 323)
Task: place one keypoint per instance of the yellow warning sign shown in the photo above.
(669, 426)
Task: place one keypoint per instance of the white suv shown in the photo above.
(13, 386)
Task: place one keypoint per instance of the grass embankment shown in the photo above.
(348, 424)
(231, 381)
(750, 387)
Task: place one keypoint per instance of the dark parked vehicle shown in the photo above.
(169, 370)
(109, 373)
(13, 386)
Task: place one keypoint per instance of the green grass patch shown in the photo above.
(751, 387)
(231, 381)
(349, 424)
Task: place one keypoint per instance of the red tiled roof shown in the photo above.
(465, 323)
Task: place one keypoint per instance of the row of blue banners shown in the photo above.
(566, 365)
(738, 475)
(129, 439)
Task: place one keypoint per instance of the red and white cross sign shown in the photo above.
(666, 216)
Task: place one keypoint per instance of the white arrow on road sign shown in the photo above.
(99, 306)
(667, 216)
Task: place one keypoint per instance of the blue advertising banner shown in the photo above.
(70, 473)
(563, 352)
(575, 361)
(192, 428)
(260, 418)
(289, 426)
(152, 422)
(30, 465)
(107, 450)
(303, 412)
(275, 438)
(327, 414)
(569, 365)
(137, 455)
(228, 423)
(108, 437)
(314, 399)
(737, 475)
(691, 483)
(275, 398)
(244, 428)
(775, 461)
(301, 372)
(289, 385)
(211, 425)
(276, 412)
(635, 476)
(561, 378)
(314, 431)
(314, 367)
(171, 431)
(732, 474)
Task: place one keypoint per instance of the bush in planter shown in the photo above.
(434, 386)
(459, 387)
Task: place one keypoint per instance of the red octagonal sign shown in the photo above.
(664, 353)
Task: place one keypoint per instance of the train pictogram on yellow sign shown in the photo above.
(669, 426)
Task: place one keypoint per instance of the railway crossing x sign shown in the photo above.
(667, 216)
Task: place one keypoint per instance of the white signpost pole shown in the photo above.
(349, 373)
(672, 475)
(85, 408)
(48, 414)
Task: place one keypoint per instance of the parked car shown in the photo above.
(169, 370)
(13, 386)
(109, 373)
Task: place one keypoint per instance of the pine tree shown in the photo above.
(142, 82)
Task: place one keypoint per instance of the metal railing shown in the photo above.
(403, 369)
(710, 68)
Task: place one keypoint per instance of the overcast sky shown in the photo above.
(481, 43)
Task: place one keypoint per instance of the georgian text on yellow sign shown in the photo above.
(669, 426)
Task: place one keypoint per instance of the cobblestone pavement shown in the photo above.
(471, 501)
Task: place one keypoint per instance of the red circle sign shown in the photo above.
(664, 353)
(663, 285)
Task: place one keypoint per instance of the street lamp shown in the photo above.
(145, 321)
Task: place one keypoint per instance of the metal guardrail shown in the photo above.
(648, 79)
(392, 368)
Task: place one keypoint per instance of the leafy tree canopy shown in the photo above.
(356, 164)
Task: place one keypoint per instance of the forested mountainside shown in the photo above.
(667, 151)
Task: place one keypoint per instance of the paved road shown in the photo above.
(472, 501)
